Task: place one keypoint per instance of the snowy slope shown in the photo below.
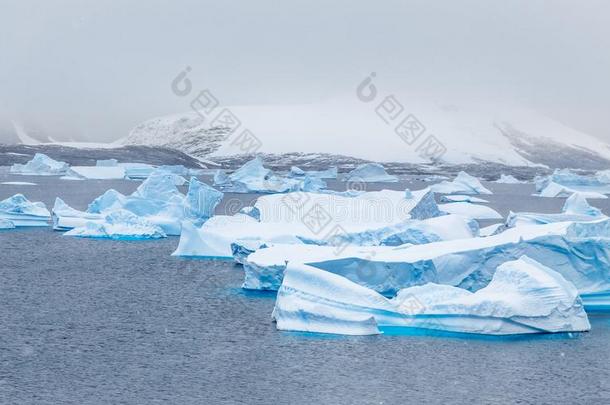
(353, 128)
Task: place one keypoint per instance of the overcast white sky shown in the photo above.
(94, 69)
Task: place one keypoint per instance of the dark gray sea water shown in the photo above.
(104, 322)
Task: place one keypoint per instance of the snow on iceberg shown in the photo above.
(303, 217)
(579, 251)
(509, 179)
(462, 198)
(576, 208)
(468, 210)
(462, 184)
(6, 224)
(119, 225)
(523, 297)
(22, 212)
(553, 189)
(253, 177)
(564, 182)
(41, 165)
(369, 173)
(330, 173)
(157, 200)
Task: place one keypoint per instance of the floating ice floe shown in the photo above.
(22, 212)
(156, 200)
(579, 251)
(18, 183)
(330, 173)
(523, 297)
(462, 198)
(253, 177)
(576, 208)
(509, 179)
(468, 210)
(119, 225)
(564, 182)
(553, 189)
(370, 173)
(462, 184)
(303, 217)
(40, 165)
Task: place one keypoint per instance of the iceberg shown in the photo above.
(18, 183)
(462, 184)
(6, 224)
(156, 200)
(137, 171)
(468, 210)
(509, 179)
(119, 225)
(303, 217)
(579, 251)
(40, 165)
(97, 172)
(22, 212)
(564, 182)
(370, 172)
(253, 177)
(330, 173)
(553, 189)
(462, 198)
(106, 162)
(523, 297)
(576, 209)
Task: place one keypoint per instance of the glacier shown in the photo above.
(157, 200)
(303, 217)
(119, 225)
(370, 172)
(523, 297)
(579, 251)
(576, 208)
(41, 165)
(462, 184)
(22, 212)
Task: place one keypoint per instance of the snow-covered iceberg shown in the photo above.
(253, 177)
(469, 210)
(6, 224)
(553, 189)
(462, 184)
(564, 182)
(157, 200)
(509, 179)
(302, 217)
(22, 212)
(576, 208)
(330, 173)
(523, 297)
(120, 225)
(97, 172)
(579, 251)
(370, 173)
(137, 171)
(41, 165)
(462, 198)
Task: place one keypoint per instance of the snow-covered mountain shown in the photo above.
(467, 134)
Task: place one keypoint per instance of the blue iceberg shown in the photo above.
(462, 184)
(119, 225)
(330, 173)
(6, 224)
(523, 297)
(576, 209)
(564, 182)
(41, 165)
(22, 212)
(370, 172)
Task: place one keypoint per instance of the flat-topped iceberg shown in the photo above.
(462, 184)
(303, 217)
(156, 200)
(41, 165)
(330, 173)
(523, 297)
(97, 172)
(469, 210)
(370, 173)
(119, 225)
(22, 212)
(579, 251)
(564, 182)
(509, 179)
(576, 208)
(137, 171)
